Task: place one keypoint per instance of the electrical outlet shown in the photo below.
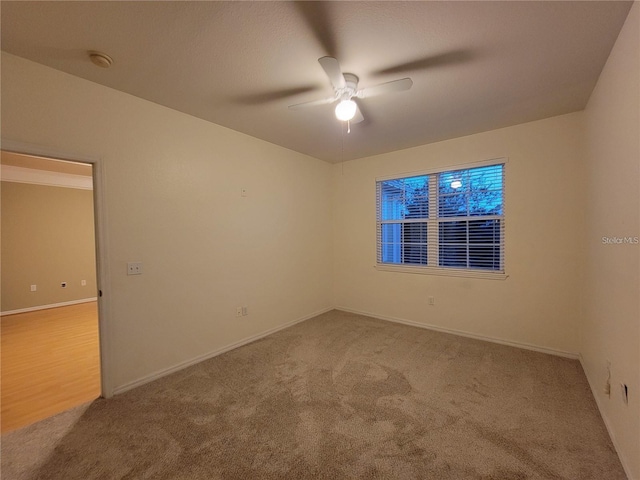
(83, 283)
(245, 311)
(63, 284)
(238, 311)
(134, 268)
(431, 300)
(34, 288)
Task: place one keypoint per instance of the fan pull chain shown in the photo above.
(348, 126)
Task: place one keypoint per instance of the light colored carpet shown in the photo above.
(340, 396)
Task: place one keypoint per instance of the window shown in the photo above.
(403, 212)
(443, 221)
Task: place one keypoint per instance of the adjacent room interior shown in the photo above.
(227, 212)
(50, 344)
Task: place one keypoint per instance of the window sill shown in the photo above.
(447, 272)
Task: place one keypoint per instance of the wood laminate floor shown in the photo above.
(50, 362)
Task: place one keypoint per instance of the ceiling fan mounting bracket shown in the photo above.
(350, 88)
(351, 85)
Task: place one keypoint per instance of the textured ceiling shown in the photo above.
(476, 66)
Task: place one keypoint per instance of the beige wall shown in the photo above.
(539, 304)
(47, 239)
(172, 201)
(611, 330)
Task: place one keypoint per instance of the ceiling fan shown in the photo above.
(345, 91)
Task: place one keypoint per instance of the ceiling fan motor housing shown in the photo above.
(351, 86)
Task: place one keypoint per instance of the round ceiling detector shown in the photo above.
(101, 59)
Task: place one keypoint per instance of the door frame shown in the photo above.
(101, 244)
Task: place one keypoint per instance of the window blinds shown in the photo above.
(448, 219)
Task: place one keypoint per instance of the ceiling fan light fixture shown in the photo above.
(346, 110)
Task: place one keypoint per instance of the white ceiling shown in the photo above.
(476, 66)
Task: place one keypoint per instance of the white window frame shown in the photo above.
(433, 229)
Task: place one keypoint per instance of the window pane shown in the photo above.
(390, 237)
(454, 181)
(417, 197)
(453, 232)
(404, 198)
(418, 208)
(390, 253)
(392, 201)
(470, 244)
(391, 232)
(414, 254)
(403, 243)
(453, 205)
(415, 232)
(472, 192)
(415, 243)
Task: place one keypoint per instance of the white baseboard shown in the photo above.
(167, 371)
(594, 392)
(46, 307)
(501, 341)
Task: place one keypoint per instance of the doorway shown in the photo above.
(50, 322)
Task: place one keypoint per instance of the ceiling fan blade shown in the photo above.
(332, 68)
(432, 61)
(266, 97)
(313, 103)
(388, 87)
(357, 118)
(319, 20)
